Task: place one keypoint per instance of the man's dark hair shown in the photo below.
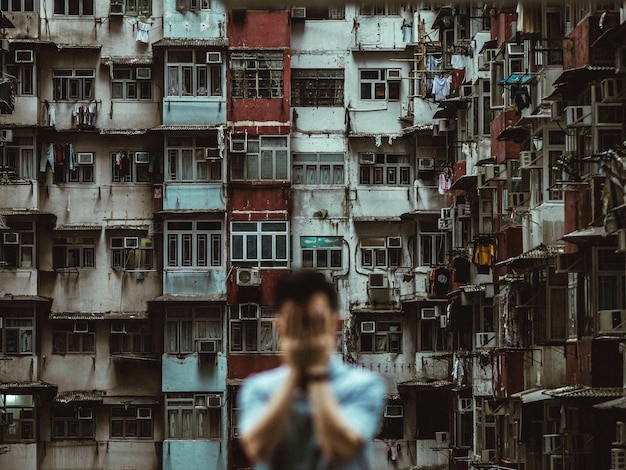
(301, 285)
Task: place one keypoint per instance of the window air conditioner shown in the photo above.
(485, 340)
(393, 74)
(24, 56)
(378, 281)
(394, 242)
(142, 157)
(425, 163)
(298, 12)
(6, 135)
(394, 411)
(368, 327)
(238, 145)
(465, 91)
(442, 437)
(11, 238)
(515, 49)
(428, 313)
(116, 8)
(620, 433)
(212, 153)
(143, 73)
(487, 455)
(131, 242)
(213, 57)
(144, 413)
(612, 89)
(611, 322)
(248, 277)
(85, 413)
(578, 116)
(447, 125)
(81, 327)
(552, 443)
(368, 158)
(209, 346)
(118, 327)
(214, 400)
(84, 158)
(444, 224)
(618, 459)
(518, 199)
(527, 159)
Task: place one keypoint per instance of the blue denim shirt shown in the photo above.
(360, 394)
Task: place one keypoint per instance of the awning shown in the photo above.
(465, 182)
(5, 22)
(541, 252)
(373, 135)
(98, 315)
(181, 42)
(617, 404)
(491, 44)
(127, 224)
(130, 400)
(586, 235)
(576, 391)
(445, 113)
(614, 36)
(189, 211)
(421, 213)
(7, 387)
(444, 12)
(80, 396)
(61, 46)
(122, 131)
(185, 127)
(126, 60)
(417, 128)
(78, 228)
(377, 218)
(426, 383)
(7, 212)
(517, 134)
(189, 298)
(532, 395)
(583, 75)
(518, 79)
(374, 310)
(24, 298)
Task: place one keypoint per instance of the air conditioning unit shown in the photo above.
(85, 413)
(556, 110)
(447, 125)
(367, 158)
(487, 455)
(620, 433)
(298, 13)
(515, 49)
(444, 224)
(142, 157)
(378, 281)
(442, 438)
(24, 56)
(485, 340)
(394, 242)
(81, 327)
(131, 243)
(238, 145)
(394, 411)
(11, 238)
(556, 462)
(578, 116)
(213, 57)
(393, 74)
(618, 459)
(425, 164)
(143, 73)
(214, 400)
(209, 346)
(528, 159)
(611, 322)
(428, 313)
(552, 443)
(212, 153)
(248, 277)
(368, 327)
(6, 135)
(144, 413)
(118, 327)
(492, 173)
(518, 199)
(465, 91)
(612, 89)
(116, 8)
(84, 158)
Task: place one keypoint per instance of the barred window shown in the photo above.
(317, 87)
(257, 74)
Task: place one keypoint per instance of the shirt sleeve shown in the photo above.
(362, 409)
(251, 402)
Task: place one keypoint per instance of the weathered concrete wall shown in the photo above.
(194, 372)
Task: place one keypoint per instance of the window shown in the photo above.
(17, 159)
(331, 12)
(131, 422)
(74, 173)
(266, 159)
(73, 7)
(17, 5)
(18, 245)
(193, 5)
(432, 337)
(17, 413)
(131, 337)
(432, 249)
(127, 167)
(25, 75)
(318, 168)
(257, 74)
(264, 244)
(73, 422)
(321, 252)
(252, 329)
(375, 85)
(187, 326)
(375, 253)
(131, 253)
(188, 74)
(393, 422)
(610, 280)
(194, 159)
(139, 7)
(128, 84)
(74, 337)
(193, 243)
(464, 423)
(317, 87)
(17, 331)
(193, 416)
(74, 252)
(73, 84)
(369, 9)
(384, 169)
(381, 337)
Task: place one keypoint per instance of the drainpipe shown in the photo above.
(622, 349)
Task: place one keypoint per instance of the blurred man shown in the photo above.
(313, 412)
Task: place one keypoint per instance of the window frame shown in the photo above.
(304, 162)
(251, 68)
(138, 172)
(380, 87)
(435, 238)
(250, 329)
(85, 249)
(18, 158)
(184, 329)
(382, 340)
(244, 168)
(141, 85)
(136, 338)
(85, 428)
(73, 84)
(380, 173)
(22, 417)
(194, 239)
(181, 72)
(7, 6)
(142, 257)
(187, 162)
(64, 335)
(128, 417)
(308, 86)
(67, 7)
(25, 251)
(140, 8)
(392, 425)
(189, 404)
(376, 254)
(21, 322)
(252, 254)
(313, 247)
(25, 74)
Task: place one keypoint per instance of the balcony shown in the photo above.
(579, 49)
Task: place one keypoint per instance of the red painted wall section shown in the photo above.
(572, 373)
(504, 149)
(241, 366)
(595, 363)
(263, 295)
(577, 50)
(260, 29)
(511, 374)
(257, 197)
(501, 26)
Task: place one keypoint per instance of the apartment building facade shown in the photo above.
(454, 170)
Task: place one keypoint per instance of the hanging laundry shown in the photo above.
(440, 281)
(458, 372)
(72, 157)
(445, 180)
(142, 32)
(76, 114)
(52, 114)
(92, 111)
(484, 253)
(521, 98)
(47, 156)
(458, 75)
(461, 266)
(407, 30)
(441, 87)
(378, 140)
